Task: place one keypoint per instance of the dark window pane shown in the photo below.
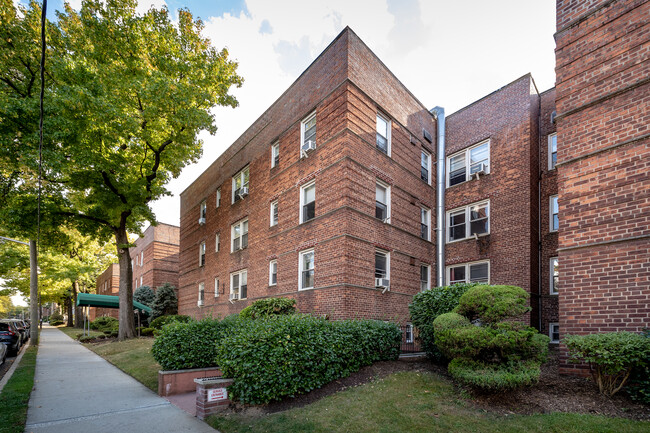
(478, 272)
(424, 231)
(457, 176)
(553, 159)
(457, 274)
(424, 174)
(277, 160)
(457, 232)
(308, 278)
(309, 211)
(244, 241)
(244, 291)
(479, 226)
(235, 244)
(381, 210)
(382, 143)
(556, 221)
(380, 265)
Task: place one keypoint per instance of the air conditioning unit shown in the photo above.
(309, 145)
(382, 283)
(482, 169)
(234, 296)
(242, 192)
(201, 221)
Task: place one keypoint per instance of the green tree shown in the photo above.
(144, 295)
(166, 302)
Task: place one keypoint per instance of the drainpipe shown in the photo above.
(439, 113)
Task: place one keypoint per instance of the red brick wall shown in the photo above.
(108, 283)
(603, 104)
(160, 245)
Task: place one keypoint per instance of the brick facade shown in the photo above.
(108, 283)
(603, 106)
(155, 256)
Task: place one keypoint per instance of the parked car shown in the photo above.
(22, 328)
(3, 353)
(10, 336)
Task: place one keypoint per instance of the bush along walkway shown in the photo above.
(78, 391)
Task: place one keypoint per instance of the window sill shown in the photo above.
(447, 186)
(471, 238)
(554, 294)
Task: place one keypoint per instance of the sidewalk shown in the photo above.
(78, 391)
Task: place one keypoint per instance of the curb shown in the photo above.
(14, 366)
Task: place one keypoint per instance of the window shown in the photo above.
(382, 264)
(274, 213)
(308, 131)
(552, 151)
(307, 202)
(408, 333)
(216, 287)
(425, 223)
(275, 155)
(383, 134)
(201, 294)
(469, 273)
(425, 167)
(141, 281)
(141, 258)
(217, 242)
(239, 285)
(425, 275)
(555, 219)
(239, 235)
(202, 212)
(240, 181)
(202, 254)
(471, 160)
(478, 216)
(554, 276)
(306, 268)
(382, 201)
(554, 332)
(273, 272)
(218, 197)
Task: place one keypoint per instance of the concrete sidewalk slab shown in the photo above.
(76, 390)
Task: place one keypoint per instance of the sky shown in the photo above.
(447, 53)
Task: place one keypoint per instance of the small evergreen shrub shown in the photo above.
(428, 305)
(165, 303)
(271, 358)
(161, 321)
(144, 295)
(269, 307)
(146, 332)
(611, 356)
(105, 323)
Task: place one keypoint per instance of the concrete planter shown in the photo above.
(174, 382)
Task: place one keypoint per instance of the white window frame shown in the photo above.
(427, 214)
(407, 331)
(467, 271)
(241, 175)
(428, 282)
(218, 200)
(141, 280)
(203, 210)
(551, 227)
(217, 242)
(301, 262)
(202, 254)
(552, 138)
(201, 300)
(241, 273)
(387, 254)
(272, 221)
(141, 258)
(275, 151)
(553, 289)
(551, 325)
(302, 129)
(302, 199)
(389, 129)
(388, 198)
(271, 263)
(428, 155)
(239, 223)
(216, 287)
(468, 225)
(467, 152)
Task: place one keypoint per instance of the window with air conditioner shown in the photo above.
(216, 287)
(273, 272)
(554, 275)
(239, 235)
(240, 185)
(382, 269)
(202, 254)
(552, 151)
(382, 201)
(308, 133)
(554, 332)
(307, 202)
(425, 167)
(425, 223)
(239, 285)
(468, 163)
(273, 218)
(477, 272)
(469, 221)
(306, 269)
(201, 300)
(425, 277)
(554, 214)
(275, 155)
(383, 134)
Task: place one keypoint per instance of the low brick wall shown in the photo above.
(174, 382)
(211, 396)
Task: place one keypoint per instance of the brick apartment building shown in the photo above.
(603, 115)
(108, 283)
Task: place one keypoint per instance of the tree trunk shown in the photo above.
(78, 311)
(69, 303)
(127, 323)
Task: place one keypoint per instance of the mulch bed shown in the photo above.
(553, 393)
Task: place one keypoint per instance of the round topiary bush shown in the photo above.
(269, 307)
(492, 304)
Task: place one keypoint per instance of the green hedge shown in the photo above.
(638, 388)
(269, 307)
(271, 358)
(161, 321)
(105, 323)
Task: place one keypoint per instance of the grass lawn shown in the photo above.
(412, 402)
(131, 356)
(15, 395)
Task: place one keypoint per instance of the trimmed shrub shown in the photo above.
(638, 387)
(87, 339)
(448, 321)
(428, 305)
(165, 303)
(146, 332)
(161, 321)
(270, 358)
(56, 319)
(494, 304)
(269, 307)
(144, 295)
(494, 377)
(105, 323)
(611, 356)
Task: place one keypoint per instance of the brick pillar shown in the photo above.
(211, 396)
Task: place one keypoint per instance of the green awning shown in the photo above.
(106, 301)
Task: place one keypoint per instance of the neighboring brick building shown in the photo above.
(603, 114)
(108, 283)
(155, 257)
